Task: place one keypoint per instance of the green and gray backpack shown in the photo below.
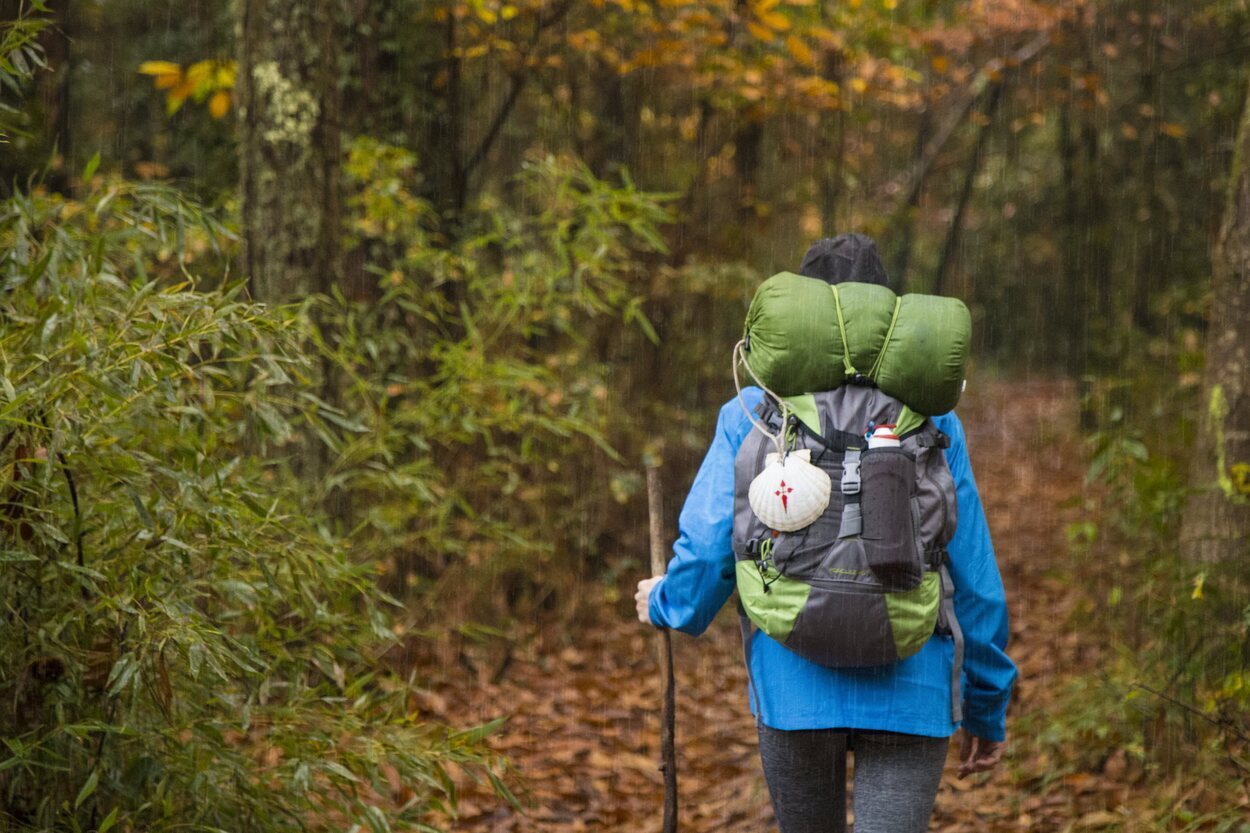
(865, 583)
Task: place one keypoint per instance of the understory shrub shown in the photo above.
(187, 641)
(1171, 695)
(477, 374)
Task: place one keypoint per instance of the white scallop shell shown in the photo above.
(790, 494)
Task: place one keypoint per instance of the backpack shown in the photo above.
(865, 583)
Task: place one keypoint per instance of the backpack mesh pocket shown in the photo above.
(888, 477)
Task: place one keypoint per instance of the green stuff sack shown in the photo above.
(803, 336)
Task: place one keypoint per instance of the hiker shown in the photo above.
(897, 718)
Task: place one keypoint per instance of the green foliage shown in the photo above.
(1086, 721)
(21, 57)
(1146, 489)
(1174, 692)
(780, 122)
(474, 378)
(185, 645)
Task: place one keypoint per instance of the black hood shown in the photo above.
(847, 257)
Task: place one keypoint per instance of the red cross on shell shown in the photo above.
(781, 492)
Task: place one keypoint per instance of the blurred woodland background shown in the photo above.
(334, 335)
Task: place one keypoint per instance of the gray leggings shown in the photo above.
(896, 779)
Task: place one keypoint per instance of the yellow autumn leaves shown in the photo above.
(760, 50)
(765, 22)
(477, 9)
(204, 80)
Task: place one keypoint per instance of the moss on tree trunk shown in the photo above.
(1217, 518)
(289, 145)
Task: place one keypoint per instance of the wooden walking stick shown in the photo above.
(664, 645)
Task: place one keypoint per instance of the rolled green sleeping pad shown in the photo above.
(795, 343)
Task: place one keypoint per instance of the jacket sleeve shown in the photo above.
(980, 603)
(700, 577)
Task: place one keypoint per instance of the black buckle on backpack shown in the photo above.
(935, 440)
(756, 553)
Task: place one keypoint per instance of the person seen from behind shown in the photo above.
(896, 719)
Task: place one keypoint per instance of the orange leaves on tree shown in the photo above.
(800, 51)
(491, 16)
(759, 31)
(500, 33)
(488, 12)
(165, 74)
(210, 81)
(827, 38)
(219, 104)
(760, 56)
(765, 22)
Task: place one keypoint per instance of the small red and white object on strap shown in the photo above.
(883, 436)
(790, 493)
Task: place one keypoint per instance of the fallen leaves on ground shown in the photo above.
(583, 709)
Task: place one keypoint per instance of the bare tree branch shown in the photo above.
(974, 165)
(519, 79)
(981, 85)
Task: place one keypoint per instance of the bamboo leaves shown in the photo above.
(183, 627)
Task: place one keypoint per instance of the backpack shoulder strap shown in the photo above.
(828, 437)
(926, 433)
(948, 622)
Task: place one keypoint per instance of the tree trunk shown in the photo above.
(748, 156)
(1217, 516)
(1151, 217)
(1069, 309)
(832, 142)
(55, 89)
(289, 146)
(614, 140)
(1085, 313)
(1097, 219)
(903, 221)
(965, 192)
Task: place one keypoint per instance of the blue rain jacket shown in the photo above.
(789, 692)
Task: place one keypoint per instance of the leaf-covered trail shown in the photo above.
(583, 725)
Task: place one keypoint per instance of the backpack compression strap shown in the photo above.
(852, 513)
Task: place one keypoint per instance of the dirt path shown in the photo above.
(582, 726)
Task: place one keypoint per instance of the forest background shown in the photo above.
(335, 335)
